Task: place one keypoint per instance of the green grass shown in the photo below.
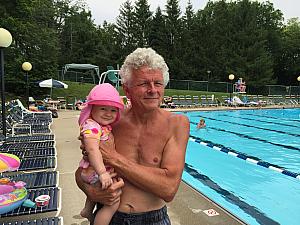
(80, 91)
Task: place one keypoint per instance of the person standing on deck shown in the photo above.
(148, 148)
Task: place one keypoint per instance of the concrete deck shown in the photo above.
(186, 209)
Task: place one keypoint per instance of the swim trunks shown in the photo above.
(155, 217)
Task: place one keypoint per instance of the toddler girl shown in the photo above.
(101, 110)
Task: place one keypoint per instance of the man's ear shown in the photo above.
(125, 89)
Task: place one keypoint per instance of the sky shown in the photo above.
(109, 9)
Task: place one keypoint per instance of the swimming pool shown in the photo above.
(248, 161)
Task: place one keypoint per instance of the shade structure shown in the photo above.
(51, 83)
(8, 162)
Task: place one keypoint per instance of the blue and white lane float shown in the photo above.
(245, 157)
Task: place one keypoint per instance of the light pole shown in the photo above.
(5, 41)
(298, 79)
(231, 78)
(208, 73)
(26, 66)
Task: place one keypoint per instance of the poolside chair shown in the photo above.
(177, 102)
(188, 101)
(71, 100)
(278, 100)
(43, 221)
(113, 76)
(30, 138)
(32, 153)
(16, 115)
(248, 102)
(236, 101)
(196, 101)
(19, 126)
(35, 179)
(291, 99)
(27, 145)
(211, 101)
(41, 163)
(53, 206)
(225, 100)
(27, 115)
(204, 101)
(181, 99)
(62, 103)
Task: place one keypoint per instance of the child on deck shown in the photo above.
(101, 110)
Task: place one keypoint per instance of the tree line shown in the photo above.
(243, 37)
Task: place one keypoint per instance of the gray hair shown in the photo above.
(143, 57)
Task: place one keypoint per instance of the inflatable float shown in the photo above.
(9, 162)
(12, 194)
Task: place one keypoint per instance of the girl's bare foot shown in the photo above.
(86, 214)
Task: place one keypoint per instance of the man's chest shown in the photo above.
(143, 147)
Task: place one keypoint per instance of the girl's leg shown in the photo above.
(87, 211)
(104, 215)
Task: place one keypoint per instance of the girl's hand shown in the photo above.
(105, 180)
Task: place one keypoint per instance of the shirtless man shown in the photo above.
(148, 150)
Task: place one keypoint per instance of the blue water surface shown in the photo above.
(255, 194)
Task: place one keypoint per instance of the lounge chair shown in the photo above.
(32, 153)
(178, 102)
(42, 163)
(35, 179)
(30, 138)
(26, 145)
(43, 221)
(196, 101)
(24, 114)
(204, 101)
(188, 101)
(53, 206)
(211, 101)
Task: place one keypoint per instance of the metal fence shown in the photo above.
(225, 87)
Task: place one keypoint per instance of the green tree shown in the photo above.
(288, 66)
(126, 28)
(34, 39)
(158, 33)
(142, 16)
(174, 32)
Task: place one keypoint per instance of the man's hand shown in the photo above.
(108, 149)
(83, 151)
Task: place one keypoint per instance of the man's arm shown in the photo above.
(109, 196)
(164, 181)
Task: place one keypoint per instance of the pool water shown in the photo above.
(248, 161)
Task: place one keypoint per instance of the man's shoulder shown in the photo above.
(176, 119)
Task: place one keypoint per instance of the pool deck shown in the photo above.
(186, 209)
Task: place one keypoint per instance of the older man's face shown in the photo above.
(145, 88)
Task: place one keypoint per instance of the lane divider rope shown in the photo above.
(245, 157)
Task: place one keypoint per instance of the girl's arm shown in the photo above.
(96, 161)
(94, 155)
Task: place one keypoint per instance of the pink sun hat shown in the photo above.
(101, 94)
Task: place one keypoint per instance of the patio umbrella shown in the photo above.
(51, 83)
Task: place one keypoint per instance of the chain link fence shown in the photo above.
(225, 87)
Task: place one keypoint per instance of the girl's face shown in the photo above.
(103, 114)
